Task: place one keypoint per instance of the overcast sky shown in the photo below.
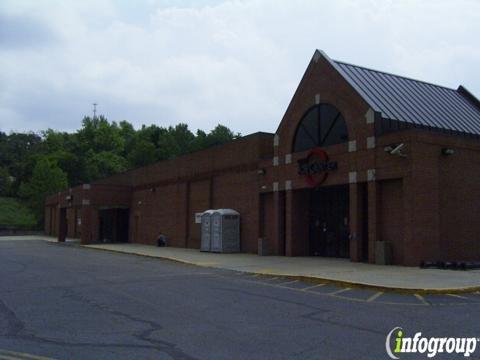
(208, 62)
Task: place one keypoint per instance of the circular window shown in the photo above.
(322, 125)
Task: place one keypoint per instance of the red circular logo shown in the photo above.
(315, 167)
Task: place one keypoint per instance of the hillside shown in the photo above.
(13, 213)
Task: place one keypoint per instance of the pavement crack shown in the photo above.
(322, 317)
(15, 329)
(318, 315)
(144, 336)
(14, 324)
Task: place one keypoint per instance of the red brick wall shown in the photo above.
(199, 200)
(391, 217)
(459, 176)
(239, 191)
(266, 213)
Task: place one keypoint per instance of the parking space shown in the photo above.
(68, 302)
(365, 294)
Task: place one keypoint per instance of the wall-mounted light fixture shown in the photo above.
(447, 151)
(395, 149)
(261, 171)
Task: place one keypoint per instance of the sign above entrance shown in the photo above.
(315, 167)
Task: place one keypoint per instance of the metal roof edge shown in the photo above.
(347, 79)
(395, 75)
(462, 90)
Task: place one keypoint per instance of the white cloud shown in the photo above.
(234, 62)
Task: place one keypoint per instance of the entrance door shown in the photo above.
(123, 218)
(105, 225)
(62, 225)
(329, 222)
(113, 225)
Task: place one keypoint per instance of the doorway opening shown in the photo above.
(113, 225)
(328, 222)
(62, 225)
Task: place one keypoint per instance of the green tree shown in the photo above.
(72, 164)
(100, 135)
(103, 164)
(220, 135)
(5, 182)
(183, 138)
(142, 153)
(54, 140)
(47, 178)
(35, 165)
(129, 136)
(17, 155)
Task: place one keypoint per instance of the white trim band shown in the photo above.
(352, 177)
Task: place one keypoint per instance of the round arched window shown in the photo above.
(322, 125)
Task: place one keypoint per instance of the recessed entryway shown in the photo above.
(328, 221)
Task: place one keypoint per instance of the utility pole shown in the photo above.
(94, 110)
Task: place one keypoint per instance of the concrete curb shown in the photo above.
(311, 279)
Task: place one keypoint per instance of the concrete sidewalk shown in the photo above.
(314, 269)
(340, 271)
(35, 237)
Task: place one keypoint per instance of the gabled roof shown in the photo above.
(413, 102)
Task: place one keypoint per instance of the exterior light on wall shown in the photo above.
(264, 187)
(395, 149)
(447, 151)
(261, 171)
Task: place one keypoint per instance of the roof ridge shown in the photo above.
(469, 96)
(391, 74)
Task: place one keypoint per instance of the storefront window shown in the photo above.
(322, 125)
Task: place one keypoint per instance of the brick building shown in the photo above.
(364, 165)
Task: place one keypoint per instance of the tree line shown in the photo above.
(33, 165)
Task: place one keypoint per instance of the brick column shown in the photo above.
(183, 212)
(356, 221)
(297, 204)
(279, 221)
(61, 224)
(289, 223)
(89, 225)
(373, 219)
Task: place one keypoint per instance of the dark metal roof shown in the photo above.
(413, 101)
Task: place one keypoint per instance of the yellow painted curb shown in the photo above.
(309, 279)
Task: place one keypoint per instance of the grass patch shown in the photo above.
(15, 214)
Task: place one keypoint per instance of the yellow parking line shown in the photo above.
(421, 298)
(340, 291)
(288, 282)
(458, 296)
(4, 357)
(13, 355)
(374, 296)
(312, 287)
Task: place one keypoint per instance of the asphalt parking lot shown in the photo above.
(67, 302)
